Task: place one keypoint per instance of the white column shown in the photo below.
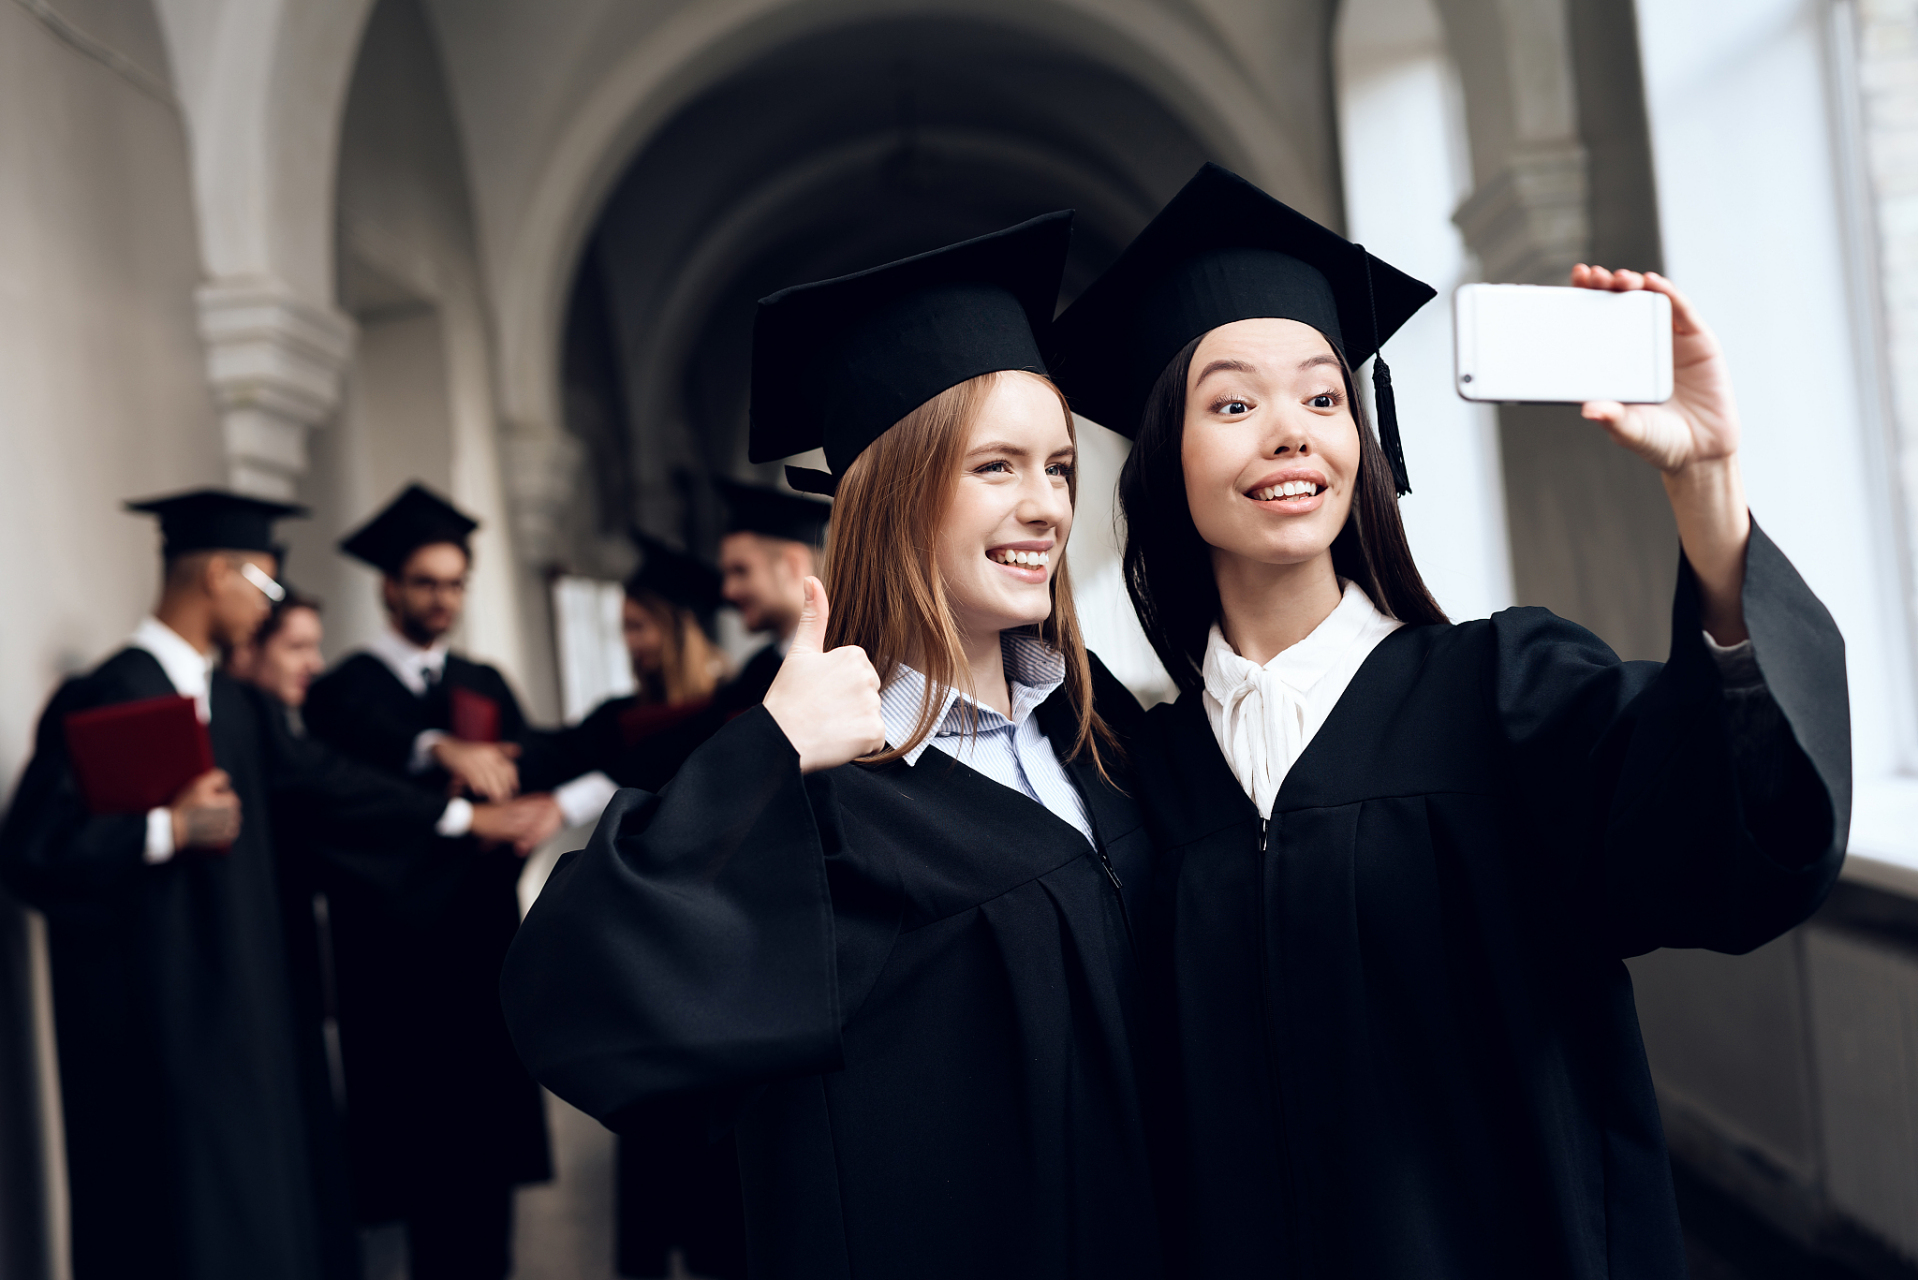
(1406, 165)
(1529, 222)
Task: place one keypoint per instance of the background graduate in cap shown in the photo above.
(675, 1190)
(772, 543)
(200, 1129)
(886, 931)
(1403, 860)
(443, 1121)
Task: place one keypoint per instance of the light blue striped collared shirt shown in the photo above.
(1015, 753)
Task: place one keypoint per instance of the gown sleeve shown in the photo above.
(1697, 817)
(689, 949)
(341, 709)
(363, 823)
(53, 852)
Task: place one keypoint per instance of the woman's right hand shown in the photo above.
(484, 768)
(827, 704)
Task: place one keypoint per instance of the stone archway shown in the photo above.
(840, 150)
(1194, 63)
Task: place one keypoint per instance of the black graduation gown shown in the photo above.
(199, 1132)
(748, 688)
(674, 1187)
(912, 985)
(1398, 1036)
(437, 1101)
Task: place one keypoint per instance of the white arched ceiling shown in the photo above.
(543, 162)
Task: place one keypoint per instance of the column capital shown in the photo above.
(542, 473)
(1529, 221)
(275, 363)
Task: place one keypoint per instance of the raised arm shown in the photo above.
(1693, 440)
(1673, 809)
(692, 946)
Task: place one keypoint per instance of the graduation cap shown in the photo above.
(1221, 251)
(836, 363)
(773, 513)
(215, 520)
(678, 578)
(417, 518)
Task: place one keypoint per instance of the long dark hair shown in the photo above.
(1178, 605)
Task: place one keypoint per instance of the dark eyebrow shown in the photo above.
(1325, 358)
(1225, 366)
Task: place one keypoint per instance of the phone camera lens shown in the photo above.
(1466, 378)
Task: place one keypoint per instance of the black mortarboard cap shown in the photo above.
(417, 518)
(836, 363)
(678, 578)
(1221, 251)
(773, 513)
(215, 520)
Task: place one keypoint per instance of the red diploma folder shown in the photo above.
(642, 720)
(135, 756)
(475, 716)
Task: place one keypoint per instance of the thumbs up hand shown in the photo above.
(827, 704)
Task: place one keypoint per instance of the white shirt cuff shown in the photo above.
(159, 836)
(457, 820)
(1737, 664)
(583, 799)
(422, 758)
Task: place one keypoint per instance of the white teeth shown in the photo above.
(1285, 489)
(1028, 559)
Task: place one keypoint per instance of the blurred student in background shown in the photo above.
(772, 543)
(201, 1137)
(284, 657)
(677, 1191)
(442, 1120)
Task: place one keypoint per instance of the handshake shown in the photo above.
(486, 770)
(206, 812)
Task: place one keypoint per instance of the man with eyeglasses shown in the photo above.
(442, 1120)
(200, 1135)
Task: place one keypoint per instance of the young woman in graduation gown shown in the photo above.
(1401, 861)
(884, 932)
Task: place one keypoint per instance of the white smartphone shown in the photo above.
(1530, 344)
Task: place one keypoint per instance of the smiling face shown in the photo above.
(1271, 449)
(645, 634)
(1006, 527)
(289, 660)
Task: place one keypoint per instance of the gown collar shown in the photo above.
(1264, 717)
(187, 669)
(416, 668)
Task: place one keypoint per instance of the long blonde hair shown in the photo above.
(882, 570)
(689, 663)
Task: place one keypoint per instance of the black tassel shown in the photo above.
(1388, 411)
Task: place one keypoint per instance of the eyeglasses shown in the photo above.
(257, 576)
(434, 586)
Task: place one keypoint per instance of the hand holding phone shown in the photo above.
(1522, 343)
(1698, 422)
(1627, 345)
